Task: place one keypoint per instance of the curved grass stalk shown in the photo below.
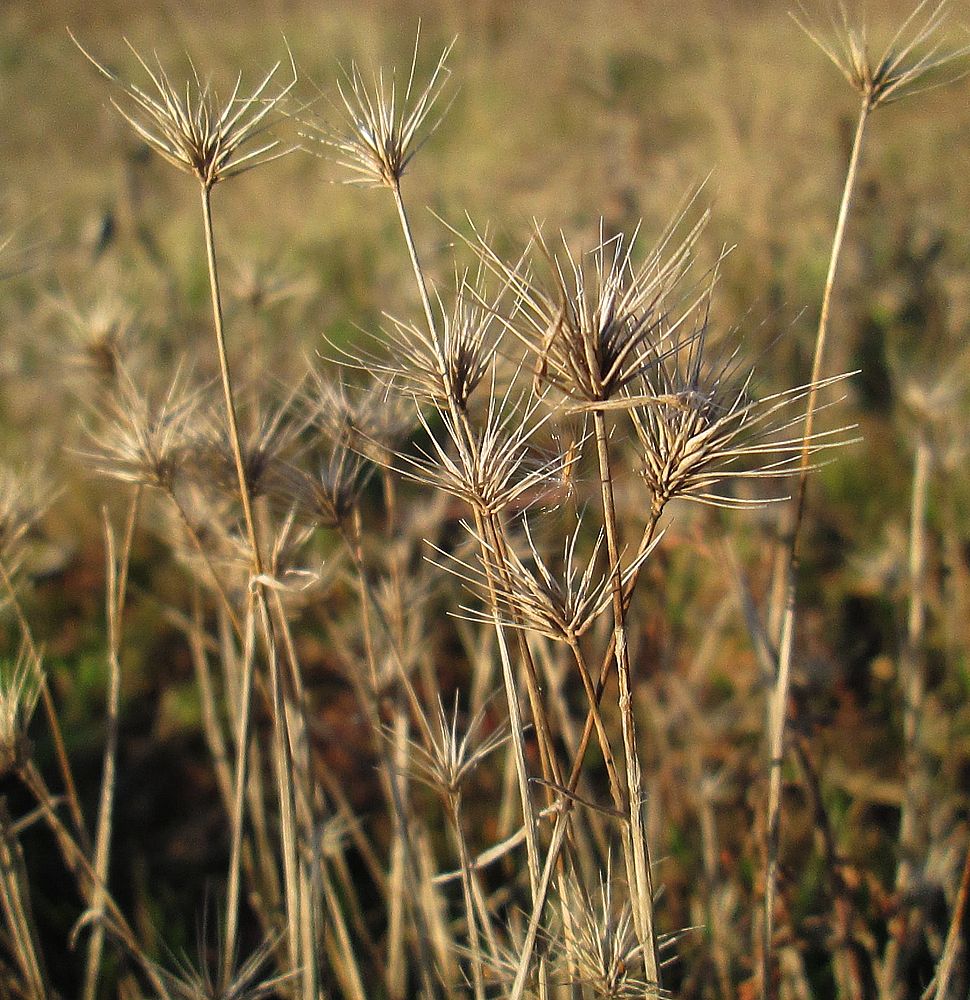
(777, 709)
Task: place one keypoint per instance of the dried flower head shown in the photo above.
(20, 682)
(384, 126)
(329, 494)
(142, 441)
(529, 594)
(449, 365)
(592, 326)
(188, 125)
(447, 757)
(263, 283)
(914, 52)
(23, 499)
(372, 420)
(195, 979)
(99, 332)
(703, 426)
(600, 948)
(268, 440)
(494, 467)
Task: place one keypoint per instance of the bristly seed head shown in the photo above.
(445, 761)
(20, 682)
(191, 129)
(914, 51)
(700, 424)
(591, 328)
(384, 127)
(140, 441)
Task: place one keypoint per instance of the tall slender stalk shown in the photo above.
(642, 887)
(245, 496)
(777, 709)
(117, 585)
(912, 677)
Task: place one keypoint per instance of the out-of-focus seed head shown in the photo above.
(23, 499)
(139, 440)
(268, 439)
(915, 52)
(99, 334)
(372, 421)
(20, 682)
(328, 494)
(191, 128)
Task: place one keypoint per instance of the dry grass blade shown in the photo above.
(914, 52)
(191, 128)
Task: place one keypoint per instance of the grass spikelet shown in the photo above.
(384, 126)
(191, 128)
(916, 51)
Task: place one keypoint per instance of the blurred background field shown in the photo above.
(569, 113)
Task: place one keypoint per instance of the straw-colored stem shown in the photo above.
(245, 496)
(641, 883)
(238, 807)
(117, 586)
(193, 536)
(23, 941)
(547, 751)
(453, 808)
(413, 254)
(949, 960)
(779, 697)
(912, 677)
(515, 713)
(77, 863)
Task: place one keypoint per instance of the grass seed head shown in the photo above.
(384, 127)
(143, 441)
(20, 682)
(530, 594)
(592, 324)
(23, 500)
(600, 947)
(448, 756)
(497, 467)
(915, 52)
(191, 128)
(701, 425)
